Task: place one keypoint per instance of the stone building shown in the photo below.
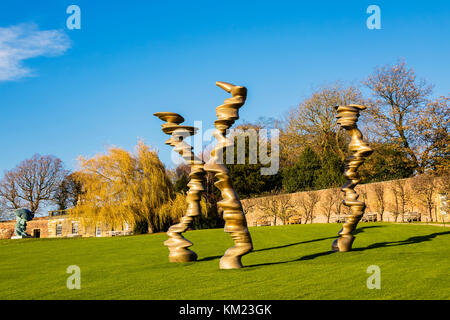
(59, 224)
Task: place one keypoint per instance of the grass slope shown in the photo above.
(289, 262)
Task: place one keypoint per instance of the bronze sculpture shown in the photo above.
(347, 118)
(235, 221)
(177, 244)
(22, 217)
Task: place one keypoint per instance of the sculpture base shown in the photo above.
(231, 263)
(232, 257)
(182, 255)
(343, 243)
(20, 237)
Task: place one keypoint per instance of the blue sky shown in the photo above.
(100, 85)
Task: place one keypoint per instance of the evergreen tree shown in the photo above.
(303, 174)
(181, 184)
(247, 178)
(331, 174)
(385, 163)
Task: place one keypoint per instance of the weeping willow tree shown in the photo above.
(120, 187)
(175, 208)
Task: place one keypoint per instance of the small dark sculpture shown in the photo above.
(22, 217)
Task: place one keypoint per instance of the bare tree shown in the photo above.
(362, 190)
(337, 193)
(328, 203)
(3, 211)
(425, 186)
(277, 207)
(308, 202)
(401, 196)
(380, 199)
(32, 183)
(9, 191)
(286, 208)
(247, 206)
(269, 208)
(395, 205)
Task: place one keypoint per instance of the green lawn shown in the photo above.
(289, 262)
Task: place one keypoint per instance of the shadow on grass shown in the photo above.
(359, 230)
(411, 240)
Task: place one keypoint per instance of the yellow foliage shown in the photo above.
(174, 209)
(123, 187)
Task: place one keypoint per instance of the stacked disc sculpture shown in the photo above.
(347, 118)
(177, 244)
(235, 222)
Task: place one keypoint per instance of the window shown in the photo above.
(98, 231)
(74, 227)
(59, 229)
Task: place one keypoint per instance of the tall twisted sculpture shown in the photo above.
(177, 244)
(235, 222)
(347, 118)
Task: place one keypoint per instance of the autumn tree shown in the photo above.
(175, 208)
(405, 116)
(443, 183)
(313, 123)
(120, 186)
(33, 183)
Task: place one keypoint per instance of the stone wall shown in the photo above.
(256, 208)
(34, 227)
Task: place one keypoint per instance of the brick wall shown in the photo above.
(37, 224)
(7, 229)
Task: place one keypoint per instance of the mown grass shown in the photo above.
(289, 262)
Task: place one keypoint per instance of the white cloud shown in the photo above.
(25, 41)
